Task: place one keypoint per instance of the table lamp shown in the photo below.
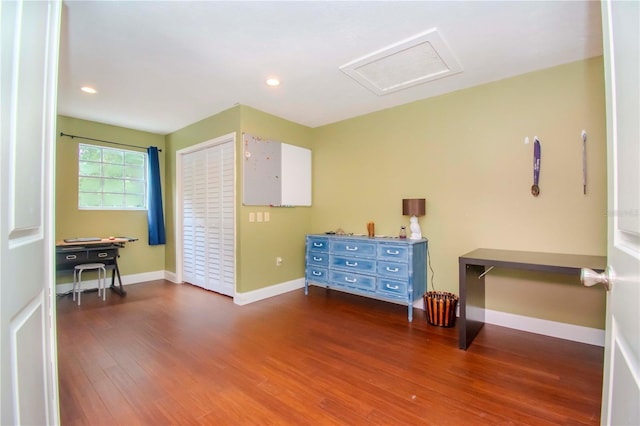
(414, 207)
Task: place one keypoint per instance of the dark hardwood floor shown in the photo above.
(177, 354)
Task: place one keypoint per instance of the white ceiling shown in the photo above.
(159, 66)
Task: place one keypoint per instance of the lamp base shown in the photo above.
(416, 233)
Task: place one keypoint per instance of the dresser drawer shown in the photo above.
(70, 259)
(392, 288)
(318, 258)
(346, 279)
(354, 264)
(318, 244)
(397, 252)
(100, 255)
(395, 270)
(316, 274)
(353, 248)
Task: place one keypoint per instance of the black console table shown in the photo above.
(72, 253)
(472, 269)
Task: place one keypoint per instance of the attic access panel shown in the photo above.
(416, 60)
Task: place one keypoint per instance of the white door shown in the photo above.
(30, 33)
(207, 192)
(621, 386)
(193, 213)
(220, 219)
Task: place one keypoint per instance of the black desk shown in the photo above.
(70, 254)
(472, 270)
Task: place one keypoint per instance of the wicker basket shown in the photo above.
(440, 308)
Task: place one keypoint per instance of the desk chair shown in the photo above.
(77, 279)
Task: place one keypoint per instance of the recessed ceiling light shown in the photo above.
(273, 82)
(87, 89)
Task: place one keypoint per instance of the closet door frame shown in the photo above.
(178, 213)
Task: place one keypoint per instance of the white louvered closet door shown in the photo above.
(194, 198)
(208, 211)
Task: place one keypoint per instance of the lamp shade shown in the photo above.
(413, 207)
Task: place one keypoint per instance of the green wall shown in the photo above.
(136, 257)
(464, 152)
(284, 235)
(257, 243)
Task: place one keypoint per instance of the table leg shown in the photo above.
(471, 288)
(116, 271)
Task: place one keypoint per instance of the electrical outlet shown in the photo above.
(278, 261)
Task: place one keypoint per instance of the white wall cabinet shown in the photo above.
(275, 173)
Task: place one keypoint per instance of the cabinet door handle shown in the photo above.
(392, 269)
(350, 280)
(351, 248)
(71, 257)
(351, 264)
(317, 259)
(392, 287)
(393, 251)
(103, 254)
(316, 273)
(318, 244)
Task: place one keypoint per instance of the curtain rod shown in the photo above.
(100, 140)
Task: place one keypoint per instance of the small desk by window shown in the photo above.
(70, 253)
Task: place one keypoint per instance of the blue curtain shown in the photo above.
(154, 200)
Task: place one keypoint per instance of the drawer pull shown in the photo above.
(316, 273)
(71, 257)
(103, 254)
(392, 269)
(353, 280)
(392, 287)
(317, 259)
(393, 251)
(318, 244)
(351, 264)
(351, 248)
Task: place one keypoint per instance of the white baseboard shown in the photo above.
(576, 333)
(171, 276)
(266, 292)
(126, 280)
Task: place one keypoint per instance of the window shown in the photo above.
(111, 179)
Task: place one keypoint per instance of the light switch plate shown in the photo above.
(252, 217)
(259, 217)
(267, 216)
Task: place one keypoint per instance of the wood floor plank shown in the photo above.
(177, 354)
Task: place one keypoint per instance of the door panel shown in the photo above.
(621, 386)
(30, 33)
(208, 208)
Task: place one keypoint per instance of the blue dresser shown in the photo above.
(383, 268)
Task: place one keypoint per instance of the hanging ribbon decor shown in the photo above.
(535, 189)
(584, 162)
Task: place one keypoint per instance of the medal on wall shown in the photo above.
(535, 189)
